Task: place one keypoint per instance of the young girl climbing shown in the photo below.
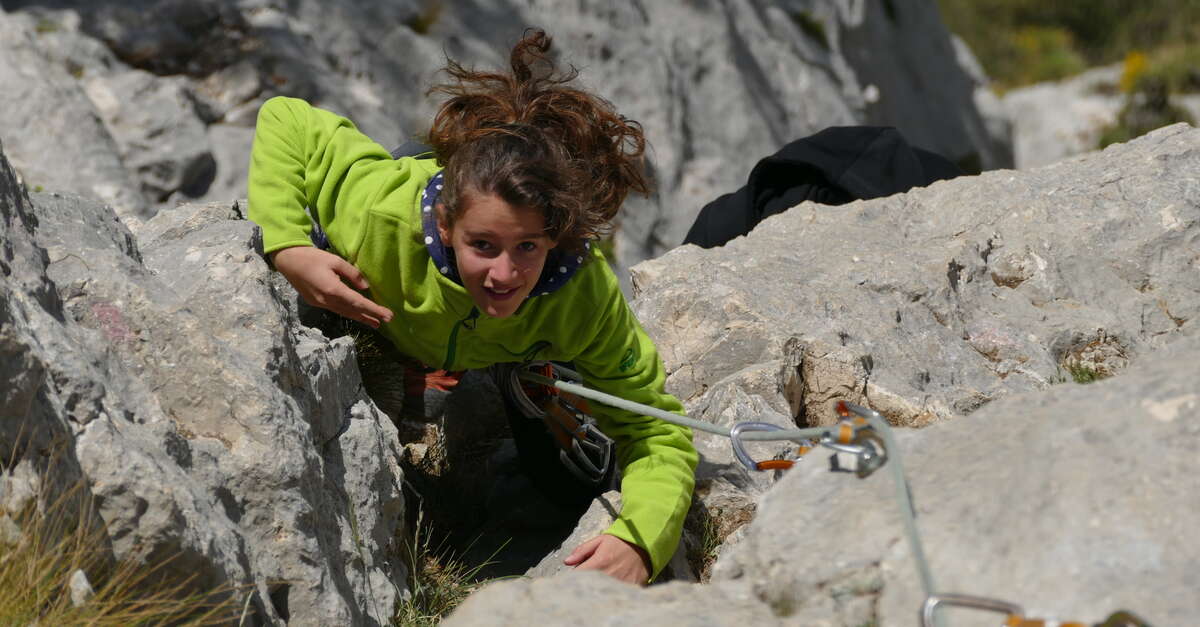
(483, 255)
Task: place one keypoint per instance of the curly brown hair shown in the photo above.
(533, 141)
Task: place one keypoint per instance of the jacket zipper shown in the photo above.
(452, 347)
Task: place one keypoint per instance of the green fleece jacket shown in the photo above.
(368, 205)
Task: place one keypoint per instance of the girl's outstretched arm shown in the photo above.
(309, 160)
(657, 459)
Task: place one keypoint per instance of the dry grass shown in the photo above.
(439, 582)
(42, 548)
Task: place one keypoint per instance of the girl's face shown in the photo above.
(500, 251)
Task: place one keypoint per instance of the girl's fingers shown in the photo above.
(350, 273)
(582, 552)
(369, 321)
(359, 307)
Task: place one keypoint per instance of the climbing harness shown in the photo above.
(862, 443)
(585, 450)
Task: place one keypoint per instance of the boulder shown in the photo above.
(159, 135)
(50, 128)
(208, 425)
(930, 304)
(961, 308)
(1067, 502)
(1059, 119)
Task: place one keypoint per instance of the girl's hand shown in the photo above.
(319, 277)
(613, 556)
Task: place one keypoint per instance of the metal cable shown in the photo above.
(683, 421)
(903, 494)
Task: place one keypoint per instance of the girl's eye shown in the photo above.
(527, 246)
(480, 244)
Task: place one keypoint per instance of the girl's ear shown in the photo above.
(443, 231)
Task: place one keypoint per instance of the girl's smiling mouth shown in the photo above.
(500, 294)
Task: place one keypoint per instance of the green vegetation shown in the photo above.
(1025, 41)
(1083, 374)
(1148, 85)
(46, 26)
(42, 549)
(702, 550)
(426, 17)
(1176, 66)
(1078, 373)
(811, 26)
(1146, 109)
(438, 581)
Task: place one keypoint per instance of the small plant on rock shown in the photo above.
(55, 570)
(438, 581)
(1084, 374)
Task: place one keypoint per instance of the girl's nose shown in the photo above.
(504, 269)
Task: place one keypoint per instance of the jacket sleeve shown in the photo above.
(304, 157)
(656, 458)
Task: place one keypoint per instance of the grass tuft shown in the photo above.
(1078, 373)
(43, 548)
(438, 582)
(423, 21)
(1083, 374)
(810, 26)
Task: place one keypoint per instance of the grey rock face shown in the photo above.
(1055, 120)
(1069, 502)
(584, 597)
(717, 85)
(158, 133)
(50, 128)
(928, 305)
(209, 425)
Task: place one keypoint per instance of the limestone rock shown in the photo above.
(158, 133)
(930, 304)
(1059, 119)
(1067, 502)
(81, 588)
(587, 597)
(50, 128)
(209, 425)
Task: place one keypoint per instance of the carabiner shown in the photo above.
(866, 449)
(971, 602)
(739, 449)
(856, 437)
(1015, 614)
(591, 454)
